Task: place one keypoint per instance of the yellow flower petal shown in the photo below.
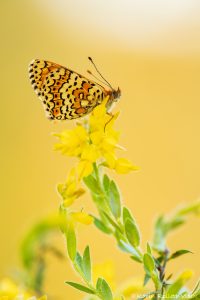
(110, 160)
(72, 141)
(110, 119)
(98, 116)
(72, 176)
(133, 286)
(70, 190)
(84, 169)
(82, 217)
(90, 153)
(123, 166)
(9, 290)
(69, 201)
(107, 271)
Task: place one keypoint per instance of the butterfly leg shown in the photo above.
(111, 117)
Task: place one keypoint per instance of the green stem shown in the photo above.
(118, 225)
(96, 171)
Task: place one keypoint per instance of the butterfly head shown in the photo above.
(114, 96)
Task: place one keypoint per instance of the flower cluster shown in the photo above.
(92, 141)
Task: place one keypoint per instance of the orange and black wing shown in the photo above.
(65, 94)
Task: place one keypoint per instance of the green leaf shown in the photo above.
(196, 288)
(87, 264)
(98, 284)
(169, 277)
(79, 263)
(92, 184)
(156, 279)
(80, 287)
(149, 263)
(127, 215)
(114, 200)
(132, 233)
(179, 253)
(106, 184)
(71, 242)
(63, 215)
(129, 249)
(177, 285)
(104, 289)
(115, 225)
(173, 224)
(146, 279)
(164, 226)
(159, 259)
(149, 249)
(37, 236)
(136, 258)
(159, 234)
(195, 295)
(192, 208)
(100, 225)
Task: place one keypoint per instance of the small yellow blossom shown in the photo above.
(9, 290)
(105, 270)
(179, 282)
(82, 217)
(123, 166)
(120, 165)
(130, 289)
(85, 168)
(105, 141)
(72, 141)
(70, 190)
(98, 117)
(133, 288)
(78, 217)
(90, 153)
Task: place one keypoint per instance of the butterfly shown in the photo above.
(66, 94)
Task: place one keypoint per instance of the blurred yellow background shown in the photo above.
(151, 49)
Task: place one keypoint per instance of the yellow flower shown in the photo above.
(130, 289)
(105, 270)
(105, 141)
(9, 290)
(98, 117)
(82, 217)
(85, 168)
(78, 217)
(133, 288)
(90, 153)
(120, 165)
(70, 190)
(94, 140)
(179, 282)
(72, 141)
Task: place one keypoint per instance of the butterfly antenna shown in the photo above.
(90, 59)
(89, 72)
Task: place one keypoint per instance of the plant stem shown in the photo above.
(162, 268)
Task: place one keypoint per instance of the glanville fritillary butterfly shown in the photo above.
(66, 94)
